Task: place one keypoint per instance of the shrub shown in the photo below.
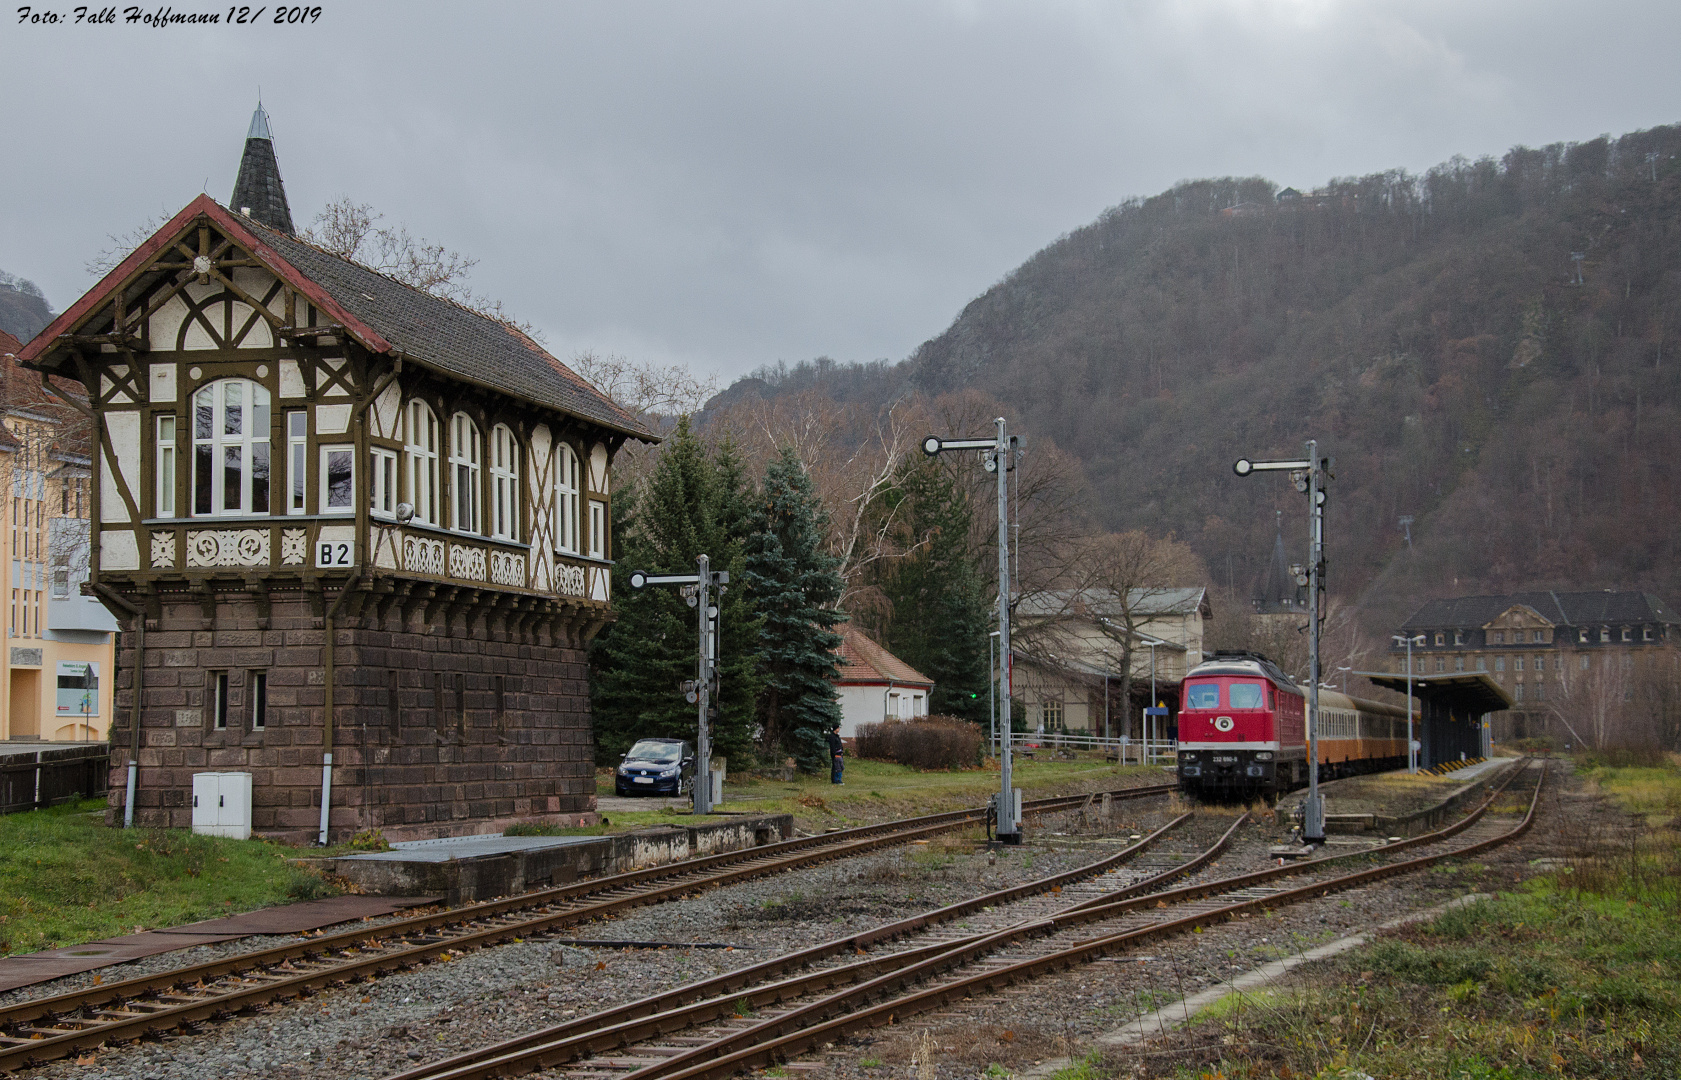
(929, 742)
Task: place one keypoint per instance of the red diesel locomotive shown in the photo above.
(1243, 730)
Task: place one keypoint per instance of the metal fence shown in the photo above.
(1126, 751)
(36, 778)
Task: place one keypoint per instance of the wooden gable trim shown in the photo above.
(143, 258)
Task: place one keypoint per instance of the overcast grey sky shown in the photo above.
(732, 184)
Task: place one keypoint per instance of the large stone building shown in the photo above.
(1548, 650)
(357, 533)
(59, 655)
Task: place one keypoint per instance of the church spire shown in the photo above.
(258, 191)
(1279, 591)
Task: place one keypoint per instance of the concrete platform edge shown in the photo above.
(466, 880)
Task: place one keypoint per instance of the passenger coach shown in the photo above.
(1243, 730)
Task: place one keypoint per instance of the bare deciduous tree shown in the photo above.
(118, 246)
(351, 230)
(1123, 581)
(643, 388)
(853, 457)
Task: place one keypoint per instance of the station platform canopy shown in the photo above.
(1453, 709)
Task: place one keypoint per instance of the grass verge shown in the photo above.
(66, 878)
(879, 790)
(1575, 974)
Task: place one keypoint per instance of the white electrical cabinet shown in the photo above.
(222, 804)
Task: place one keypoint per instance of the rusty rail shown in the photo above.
(888, 975)
(48, 1028)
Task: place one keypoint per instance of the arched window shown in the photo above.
(420, 454)
(231, 448)
(568, 477)
(504, 484)
(464, 473)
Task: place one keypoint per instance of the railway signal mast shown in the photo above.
(1309, 476)
(697, 589)
(997, 455)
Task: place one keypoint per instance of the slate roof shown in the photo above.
(453, 339)
(1172, 601)
(258, 184)
(1559, 608)
(1278, 593)
(863, 661)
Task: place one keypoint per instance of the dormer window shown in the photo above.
(1628, 635)
(1646, 633)
(1441, 638)
(1604, 634)
(1459, 637)
(231, 448)
(1582, 636)
(1499, 637)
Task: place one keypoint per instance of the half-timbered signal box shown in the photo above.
(337, 516)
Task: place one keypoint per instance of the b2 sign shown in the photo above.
(334, 554)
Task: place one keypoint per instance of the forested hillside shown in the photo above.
(1434, 332)
(23, 310)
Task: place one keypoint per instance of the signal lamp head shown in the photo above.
(1243, 467)
(931, 445)
(638, 579)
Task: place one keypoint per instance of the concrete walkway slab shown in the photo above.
(31, 968)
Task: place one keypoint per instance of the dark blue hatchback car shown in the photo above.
(656, 767)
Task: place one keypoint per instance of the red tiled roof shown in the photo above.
(863, 661)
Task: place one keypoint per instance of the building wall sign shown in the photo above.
(78, 688)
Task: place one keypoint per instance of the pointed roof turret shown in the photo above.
(258, 192)
(1279, 593)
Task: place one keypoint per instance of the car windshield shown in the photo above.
(660, 753)
(1202, 696)
(1246, 695)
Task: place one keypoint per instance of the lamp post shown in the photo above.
(997, 456)
(1409, 642)
(1309, 476)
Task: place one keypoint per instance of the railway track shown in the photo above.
(718, 1027)
(44, 1029)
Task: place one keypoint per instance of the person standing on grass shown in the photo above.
(836, 760)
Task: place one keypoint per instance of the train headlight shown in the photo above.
(1264, 755)
(1223, 723)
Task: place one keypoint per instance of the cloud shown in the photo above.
(731, 184)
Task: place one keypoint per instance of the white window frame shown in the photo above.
(256, 689)
(382, 482)
(598, 529)
(253, 437)
(504, 484)
(324, 495)
(420, 458)
(168, 462)
(297, 461)
(568, 490)
(464, 474)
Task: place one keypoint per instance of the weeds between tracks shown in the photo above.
(1576, 972)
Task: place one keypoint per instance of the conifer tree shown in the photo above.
(639, 663)
(795, 586)
(939, 619)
